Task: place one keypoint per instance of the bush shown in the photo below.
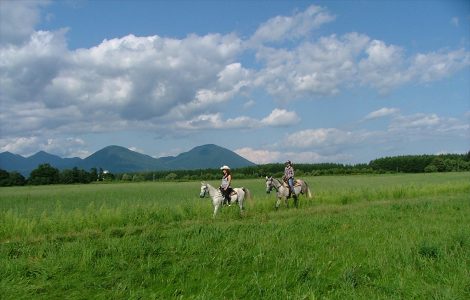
(11, 179)
(44, 174)
(430, 169)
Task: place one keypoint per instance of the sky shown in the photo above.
(307, 81)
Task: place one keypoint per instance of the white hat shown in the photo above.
(224, 168)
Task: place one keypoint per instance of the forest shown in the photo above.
(46, 174)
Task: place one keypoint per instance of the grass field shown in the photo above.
(361, 237)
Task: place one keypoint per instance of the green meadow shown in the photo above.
(361, 237)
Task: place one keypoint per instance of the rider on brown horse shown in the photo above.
(289, 176)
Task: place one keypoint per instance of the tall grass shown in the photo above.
(388, 236)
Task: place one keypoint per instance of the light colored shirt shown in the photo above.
(225, 182)
(289, 172)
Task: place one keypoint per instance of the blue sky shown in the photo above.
(308, 81)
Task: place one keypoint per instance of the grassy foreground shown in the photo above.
(387, 236)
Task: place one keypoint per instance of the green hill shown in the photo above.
(117, 159)
(206, 157)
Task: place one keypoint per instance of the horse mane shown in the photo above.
(216, 190)
(278, 181)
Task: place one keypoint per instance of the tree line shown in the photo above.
(46, 174)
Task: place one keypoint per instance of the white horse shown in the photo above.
(283, 190)
(237, 196)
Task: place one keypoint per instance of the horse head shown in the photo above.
(204, 190)
(269, 184)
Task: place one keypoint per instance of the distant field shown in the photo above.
(377, 236)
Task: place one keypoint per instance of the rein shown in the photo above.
(278, 182)
(275, 183)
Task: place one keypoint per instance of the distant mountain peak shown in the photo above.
(39, 153)
(118, 159)
(113, 148)
(43, 155)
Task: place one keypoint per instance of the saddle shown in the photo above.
(232, 192)
(296, 183)
(227, 200)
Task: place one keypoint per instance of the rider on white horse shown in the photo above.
(225, 187)
(289, 176)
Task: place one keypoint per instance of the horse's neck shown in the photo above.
(277, 184)
(212, 190)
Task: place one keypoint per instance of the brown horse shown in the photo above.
(283, 190)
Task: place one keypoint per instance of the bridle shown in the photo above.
(270, 185)
(204, 191)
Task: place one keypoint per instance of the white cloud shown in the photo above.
(26, 70)
(320, 68)
(280, 117)
(19, 145)
(259, 156)
(353, 60)
(151, 83)
(202, 122)
(126, 79)
(18, 19)
(162, 73)
(233, 75)
(322, 137)
(419, 120)
(299, 25)
(151, 79)
(380, 113)
(434, 66)
(386, 67)
(383, 67)
(136, 149)
(248, 104)
(455, 21)
(403, 131)
(263, 156)
(64, 147)
(428, 125)
(277, 118)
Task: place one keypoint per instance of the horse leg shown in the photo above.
(216, 209)
(278, 202)
(241, 198)
(296, 201)
(240, 204)
(296, 196)
(233, 199)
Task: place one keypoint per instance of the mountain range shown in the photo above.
(117, 159)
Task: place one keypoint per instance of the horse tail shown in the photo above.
(309, 193)
(247, 193)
